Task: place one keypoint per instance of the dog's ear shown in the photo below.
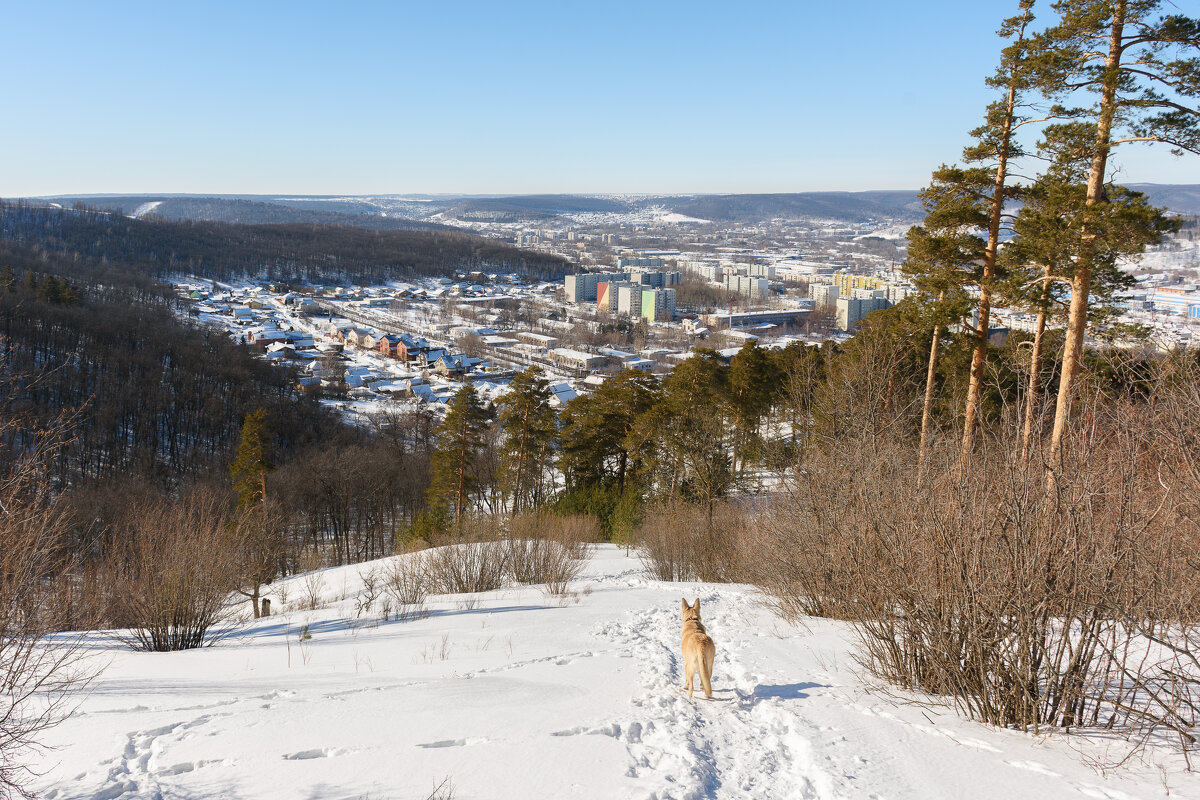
(684, 601)
(697, 606)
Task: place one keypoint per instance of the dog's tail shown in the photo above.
(707, 657)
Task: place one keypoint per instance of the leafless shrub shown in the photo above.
(467, 568)
(173, 569)
(473, 560)
(372, 587)
(443, 791)
(692, 542)
(544, 548)
(1026, 604)
(312, 582)
(406, 583)
(39, 673)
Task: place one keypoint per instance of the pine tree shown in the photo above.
(944, 258)
(8, 281)
(995, 146)
(460, 440)
(1141, 69)
(754, 382)
(692, 430)
(249, 469)
(530, 437)
(602, 444)
(1051, 243)
(257, 538)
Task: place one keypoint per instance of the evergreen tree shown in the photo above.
(249, 469)
(754, 383)
(692, 429)
(530, 437)
(257, 538)
(460, 441)
(602, 445)
(1051, 243)
(1141, 70)
(8, 281)
(944, 259)
(993, 150)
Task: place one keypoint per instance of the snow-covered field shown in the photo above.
(514, 694)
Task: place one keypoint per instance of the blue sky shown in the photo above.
(503, 97)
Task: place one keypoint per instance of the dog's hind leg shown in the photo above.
(689, 675)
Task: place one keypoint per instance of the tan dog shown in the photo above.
(698, 650)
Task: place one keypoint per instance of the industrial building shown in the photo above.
(742, 319)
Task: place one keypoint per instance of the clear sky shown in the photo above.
(496, 97)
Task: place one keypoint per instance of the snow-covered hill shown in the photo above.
(514, 694)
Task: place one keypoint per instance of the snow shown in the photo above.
(516, 694)
(145, 208)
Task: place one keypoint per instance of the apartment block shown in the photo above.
(747, 285)
(851, 310)
(825, 294)
(658, 304)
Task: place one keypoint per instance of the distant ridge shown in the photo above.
(1182, 198)
(249, 212)
(442, 212)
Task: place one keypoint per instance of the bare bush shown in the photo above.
(473, 560)
(686, 542)
(544, 548)
(312, 581)
(173, 569)
(39, 673)
(373, 586)
(406, 584)
(468, 567)
(1024, 605)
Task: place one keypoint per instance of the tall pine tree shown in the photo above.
(1137, 72)
(530, 437)
(454, 476)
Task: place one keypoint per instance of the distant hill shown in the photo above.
(240, 211)
(296, 251)
(850, 206)
(410, 212)
(1182, 198)
(531, 207)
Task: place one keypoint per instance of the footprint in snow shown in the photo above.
(455, 742)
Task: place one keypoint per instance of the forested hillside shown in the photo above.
(315, 253)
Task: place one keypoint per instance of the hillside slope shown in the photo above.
(526, 696)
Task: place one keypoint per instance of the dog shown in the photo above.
(698, 650)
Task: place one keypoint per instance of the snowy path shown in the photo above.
(517, 695)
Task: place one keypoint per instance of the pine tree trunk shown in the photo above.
(1032, 400)
(519, 486)
(460, 495)
(927, 409)
(979, 355)
(1082, 282)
